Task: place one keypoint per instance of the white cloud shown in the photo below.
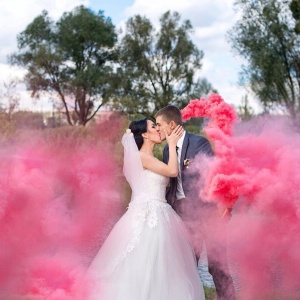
(12, 73)
(8, 72)
(15, 15)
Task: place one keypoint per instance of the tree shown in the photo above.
(295, 8)
(157, 67)
(71, 58)
(265, 36)
(244, 111)
(10, 99)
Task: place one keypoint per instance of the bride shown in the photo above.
(147, 255)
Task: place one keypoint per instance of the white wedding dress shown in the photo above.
(148, 255)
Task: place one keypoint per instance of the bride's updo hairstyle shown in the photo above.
(138, 128)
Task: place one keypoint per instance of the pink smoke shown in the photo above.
(255, 171)
(221, 115)
(59, 199)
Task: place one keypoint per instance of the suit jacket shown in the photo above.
(192, 145)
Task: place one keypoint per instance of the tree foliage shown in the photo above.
(157, 66)
(295, 8)
(266, 38)
(71, 58)
(9, 98)
(244, 110)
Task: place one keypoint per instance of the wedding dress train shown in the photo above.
(148, 255)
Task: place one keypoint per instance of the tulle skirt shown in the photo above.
(147, 256)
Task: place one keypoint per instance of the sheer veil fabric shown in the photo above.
(147, 255)
(132, 168)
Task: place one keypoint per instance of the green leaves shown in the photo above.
(85, 36)
(37, 33)
(72, 58)
(295, 9)
(79, 60)
(158, 65)
(265, 36)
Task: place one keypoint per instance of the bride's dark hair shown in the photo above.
(138, 128)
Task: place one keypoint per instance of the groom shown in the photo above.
(202, 219)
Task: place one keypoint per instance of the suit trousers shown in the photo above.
(206, 226)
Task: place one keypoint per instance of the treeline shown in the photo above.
(87, 65)
(267, 37)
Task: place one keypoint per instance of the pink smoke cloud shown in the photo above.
(59, 199)
(255, 171)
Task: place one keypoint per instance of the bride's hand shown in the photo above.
(175, 135)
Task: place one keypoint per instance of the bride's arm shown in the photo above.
(153, 164)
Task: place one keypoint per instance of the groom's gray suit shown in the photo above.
(201, 218)
(192, 145)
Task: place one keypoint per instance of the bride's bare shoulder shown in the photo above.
(147, 157)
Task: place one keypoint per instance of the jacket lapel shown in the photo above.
(184, 149)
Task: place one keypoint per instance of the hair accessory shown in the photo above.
(128, 130)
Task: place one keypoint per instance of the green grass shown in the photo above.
(210, 293)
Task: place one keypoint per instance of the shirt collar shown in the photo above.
(180, 141)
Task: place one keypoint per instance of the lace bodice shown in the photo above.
(152, 200)
(146, 208)
(156, 186)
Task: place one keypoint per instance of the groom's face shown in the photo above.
(162, 126)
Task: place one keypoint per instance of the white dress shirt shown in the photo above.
(179, 193)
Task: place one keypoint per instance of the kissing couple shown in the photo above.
(152, 253)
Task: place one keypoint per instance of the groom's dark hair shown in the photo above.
(170, 113)
(138, 128)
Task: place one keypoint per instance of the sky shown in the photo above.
(211, 20)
